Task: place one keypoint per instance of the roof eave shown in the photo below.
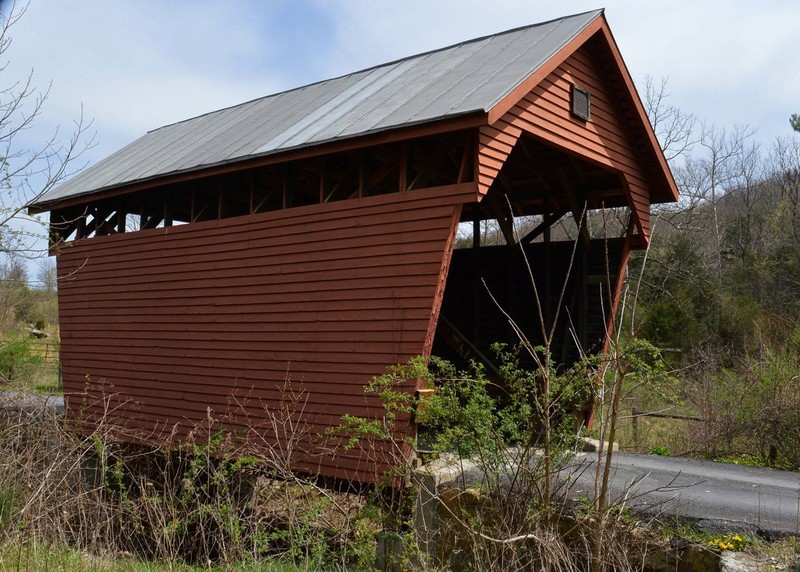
(665, 189)
(407, 131)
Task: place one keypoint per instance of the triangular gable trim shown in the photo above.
(668, 190)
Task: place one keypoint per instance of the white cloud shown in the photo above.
(136, 66)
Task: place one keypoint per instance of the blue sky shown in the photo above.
(138, 65)
(135, 66)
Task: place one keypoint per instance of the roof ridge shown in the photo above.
(598, 11)
(466, 77)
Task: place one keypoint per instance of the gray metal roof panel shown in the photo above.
(414, 81)
(429, 88)
(271, 119)
(469, 77)
(367, 95)
(531, 49)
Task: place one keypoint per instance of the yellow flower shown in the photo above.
(730, 546)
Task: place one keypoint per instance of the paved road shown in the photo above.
(766, 499)
(30, 403)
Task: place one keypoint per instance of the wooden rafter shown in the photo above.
(432, 165)
(466, 154)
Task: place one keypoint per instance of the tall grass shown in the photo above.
(201, 503)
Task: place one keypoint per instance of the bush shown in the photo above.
(754, 409)
(18, 360)
(504, 447)
(216, 500)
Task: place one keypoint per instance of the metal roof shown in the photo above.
(466, 78)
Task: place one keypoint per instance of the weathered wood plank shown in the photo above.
(329, 299)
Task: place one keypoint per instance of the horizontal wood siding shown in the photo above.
(604, 139)
(177, 324)
(495, 142)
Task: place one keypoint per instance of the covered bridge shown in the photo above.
(324, 233)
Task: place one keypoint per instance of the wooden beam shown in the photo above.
(81, 230)
(199, 213)
(462, 345)
(381, 173)
(362, 173)
(322, 169)
(403, 179)
(506, 221)
(501, 261)
(167, 212)
(262, 202)
(287, 185)
(219, 200)
(578, 213)
(151, 221)
(465, 157)
(101, 224)
(351, 167)
(544, 226)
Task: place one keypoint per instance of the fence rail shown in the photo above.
(636, 414)
(47, 349)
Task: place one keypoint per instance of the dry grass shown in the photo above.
(87, 502)
(185, 505)
(653, 434)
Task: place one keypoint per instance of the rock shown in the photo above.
(592, 445)
(696, 558)
(739, 562)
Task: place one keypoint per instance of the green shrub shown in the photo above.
(755, 410)
(9, 505)
(661, 451)
(18, 360)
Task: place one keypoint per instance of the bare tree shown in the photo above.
(28, 172)
(46, 277)
(707, 177)
(785, 168)
(674, 127)
(747, 195)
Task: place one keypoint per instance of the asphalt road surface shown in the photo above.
(730, 495)
(764, 499)
(30, 403)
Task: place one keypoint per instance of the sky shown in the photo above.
(134, 66)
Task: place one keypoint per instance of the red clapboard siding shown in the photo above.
(495, 142)
(545, 114)
(219, 315)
